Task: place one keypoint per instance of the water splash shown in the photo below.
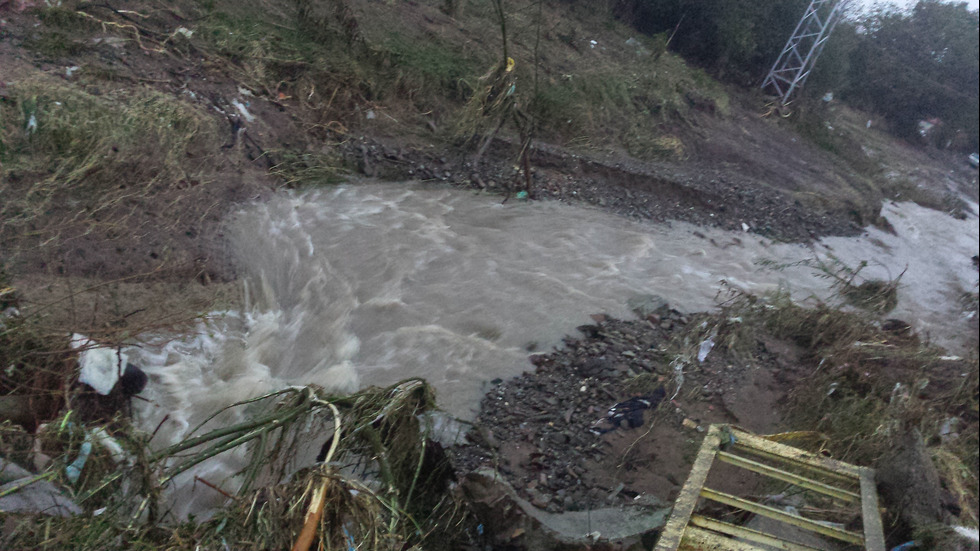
(370, 284)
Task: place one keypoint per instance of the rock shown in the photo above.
(647, 305)
(39, 497)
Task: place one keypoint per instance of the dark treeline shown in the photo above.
(903, 66)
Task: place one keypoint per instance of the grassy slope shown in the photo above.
(122, 154)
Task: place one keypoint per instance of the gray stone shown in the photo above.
(647, 305)
(39, 497)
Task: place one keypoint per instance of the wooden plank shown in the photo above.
(817, 461)
(748, 534)
(785, 476)
(874, 536)
(812, 469)
(674, 530)
(696, 539)
(783, 516)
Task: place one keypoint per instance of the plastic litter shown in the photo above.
(100, 366)
(241, 107)
(948, 429)
(631, 411)
(904, 547)
(74, 470)
(521, 195)
(678, 376)
(966, 532)
(705, 348)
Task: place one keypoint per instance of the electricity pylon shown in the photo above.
(803, 47)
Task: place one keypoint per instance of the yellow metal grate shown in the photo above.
(841, 483)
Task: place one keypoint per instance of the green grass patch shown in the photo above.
(627, 106)
(430, 65)
(63, 31)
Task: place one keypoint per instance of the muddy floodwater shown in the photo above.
(369, 284)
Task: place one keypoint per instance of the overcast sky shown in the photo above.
(973, 4)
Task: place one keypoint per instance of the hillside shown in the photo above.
(131, 132)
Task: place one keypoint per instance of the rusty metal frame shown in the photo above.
(842, 482)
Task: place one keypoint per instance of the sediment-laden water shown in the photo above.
(370, 284)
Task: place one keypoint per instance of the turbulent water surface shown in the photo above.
(370, 284)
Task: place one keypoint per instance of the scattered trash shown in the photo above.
(706, 347)
(828, 97)
(948, 429)
(689, 424)
(969, 533)
(638, 46)
(593, 43)
(832, 389)
(678, 376)
(905, 546)
(243, 91)
(370, 115)
(631, 410)
(899, 394)
(31, 124)
(110, 444)
(745, 227)
(133, 380)
(184, 31)
(241, 107)
(70, 71)
(74, 470)
(100, 366)
(522, 195)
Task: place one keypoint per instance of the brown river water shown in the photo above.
(372, 283)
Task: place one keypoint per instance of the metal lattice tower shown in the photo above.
(803, 47)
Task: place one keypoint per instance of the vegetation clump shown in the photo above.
(378, 481)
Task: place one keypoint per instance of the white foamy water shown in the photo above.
(370, 284)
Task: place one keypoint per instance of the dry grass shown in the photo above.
(868, 386)
(76, 163)
(381, 488)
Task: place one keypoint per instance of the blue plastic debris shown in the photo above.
(74, 470)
